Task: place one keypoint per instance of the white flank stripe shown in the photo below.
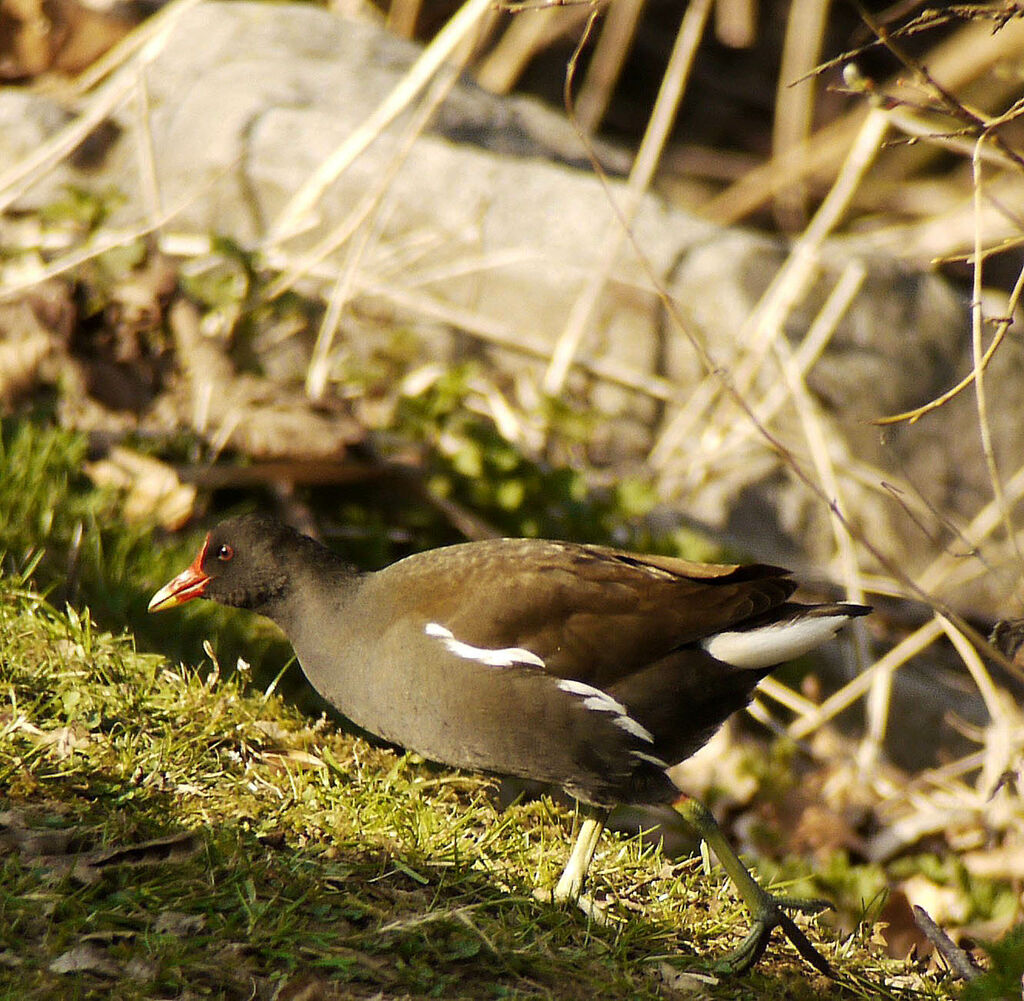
(602, 702)
(650, 758)
(630, 725)
(774, 644)
(579, 688)
(506, 657)
(593, 698)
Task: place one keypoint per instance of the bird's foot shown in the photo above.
(768, 914)
(596, 912)
(767, 911)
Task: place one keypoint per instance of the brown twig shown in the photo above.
(960, 962)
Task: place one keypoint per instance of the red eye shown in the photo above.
(224, 553)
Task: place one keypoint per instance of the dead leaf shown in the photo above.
(693, 985)
(56, 35)
(67, 739)
(109, 936)
(138, 968)
(178, 924)
(821, 831)
(272, 729)
(900, 929)
(84, 959)
(281, 760)
(308, 987)
(32, 842)
(88, 867)
(256, 416)
(174, 848)
(1005, 862)
(64, 740)
(151, 487)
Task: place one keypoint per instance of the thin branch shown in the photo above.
(977, 324)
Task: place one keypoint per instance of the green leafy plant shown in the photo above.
(1004, 979)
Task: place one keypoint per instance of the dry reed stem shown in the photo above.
(402, 17)
(606, 63)
(295, 269)
(787, 697)
(716, 450)
(896, 657)
(369, 217)
(824, 451)
(295, 215)
(977, 325)
(501, 335)
(817, 159)
(670, 93)
(530, 32)
(433, 269)
(794, 102)
(838, 301)
(949, 235)
(821, 449)
(787, 288)
(923, 124)
(998, 754)
(736, 22)
(131, 45)
(145, 158)
(292, 269)
(982, 525)
(962, 57)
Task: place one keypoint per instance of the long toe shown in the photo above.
(771, 914)
(803, 905)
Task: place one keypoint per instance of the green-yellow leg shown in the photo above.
(768, 911)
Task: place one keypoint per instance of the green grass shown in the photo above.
(315, 860)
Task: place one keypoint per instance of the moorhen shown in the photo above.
(580, 666)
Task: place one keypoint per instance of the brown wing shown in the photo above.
(590, 613)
